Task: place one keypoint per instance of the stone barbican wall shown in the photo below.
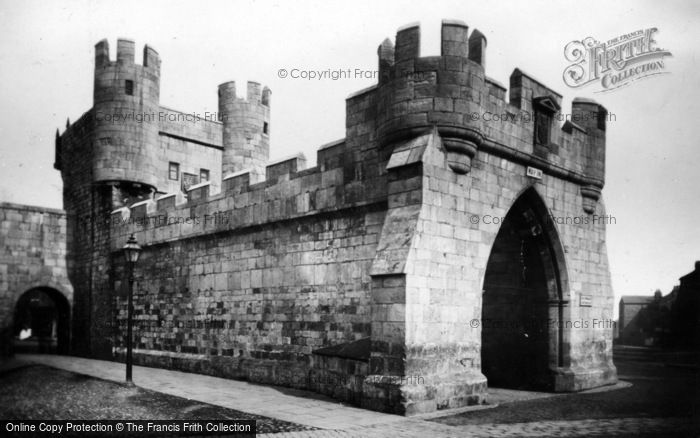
(240, 297)
(387, 237)
(33, 242)
(432, 257)
(182, 138)
(429, 271)
(247, 282)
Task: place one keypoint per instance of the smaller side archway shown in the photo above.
(41, 322)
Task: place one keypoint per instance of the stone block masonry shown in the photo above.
(33, 242)
(371, 276)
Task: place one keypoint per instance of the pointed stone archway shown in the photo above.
(524, 291)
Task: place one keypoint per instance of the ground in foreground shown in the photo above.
(43, 393)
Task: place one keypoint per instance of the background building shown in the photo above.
(669, 321)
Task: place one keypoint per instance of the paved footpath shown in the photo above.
(335, 419)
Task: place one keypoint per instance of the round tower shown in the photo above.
(246, 133)
(125, 111)
(592, 117)
(446, 91)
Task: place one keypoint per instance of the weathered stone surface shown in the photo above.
(396, 235)
(33, 242)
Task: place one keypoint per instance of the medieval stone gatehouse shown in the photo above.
(454, 237)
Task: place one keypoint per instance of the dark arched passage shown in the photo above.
(42, 322)
(522, 344)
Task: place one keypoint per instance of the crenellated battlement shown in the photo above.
(414, 94)
(254, 268)
(126, 51)
(473, 112)
(450, 92)
(417, 92)
(456, 46)
(255, 93)
(455, 41)
(246, 130)
(290, 190)
(124, 92)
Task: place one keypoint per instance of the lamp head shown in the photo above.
(132, 249)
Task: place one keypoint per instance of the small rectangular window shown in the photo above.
(265, 128)
(203, 175)
(129, 87)
(543, 126)
(174, 171)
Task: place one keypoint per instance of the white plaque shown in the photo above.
(534, 173)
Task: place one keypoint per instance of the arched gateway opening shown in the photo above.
(42, 322)
(522, 300)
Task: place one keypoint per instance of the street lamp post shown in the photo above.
(131, 255)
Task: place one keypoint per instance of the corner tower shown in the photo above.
(246, 133)
(592, 117)
(126, 105)
(416, 93)
(107, 159)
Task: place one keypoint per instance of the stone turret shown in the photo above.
(417, 92)
(126, 106)
(246, 133)
(592, 117)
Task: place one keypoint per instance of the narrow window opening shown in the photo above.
(545, 108)
(129, 87)
(543, 128)
(174, 171)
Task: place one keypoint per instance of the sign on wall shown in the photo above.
(585, 301)
(534, 173)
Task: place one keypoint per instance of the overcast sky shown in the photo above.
(653, 151)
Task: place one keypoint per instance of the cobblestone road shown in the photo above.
(582, 428)
(337, 420)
